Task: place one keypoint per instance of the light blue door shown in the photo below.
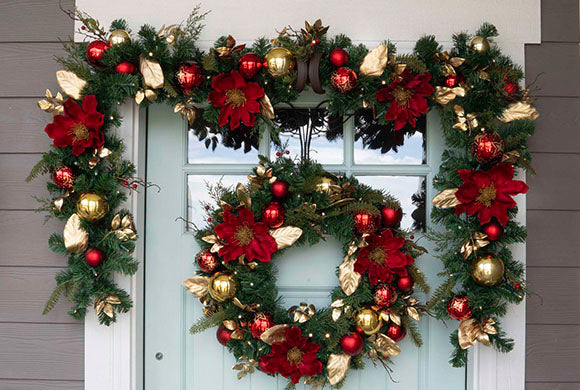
(181, 165)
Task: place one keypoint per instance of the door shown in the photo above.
(179, 163)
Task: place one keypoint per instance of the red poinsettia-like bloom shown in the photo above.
(408, 98)
(489, 193)
(79, 127)
(294, 357)
(382, 258)
(237, 98)
(243, 236)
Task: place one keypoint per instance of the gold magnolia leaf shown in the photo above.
(446, 199)
(152, 72)
(375, 62)
(471, 331)
(105, 304)
(384, 345)
(275, 334)
(476, 241)
(337, 308)
(116, 222)
(413, 313)
(76, 239)
(348, 277)
(286, 236)
(303, 312)
(70, 83)
(395, 317)
(243, 195)
(400, 68)
(211, 239)
(456, 61)
(266, 108)
(337, 367)
(58, 202)
(444, 95)
(197, 285)
(519, 110)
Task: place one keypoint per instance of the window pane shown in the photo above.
(197, 152)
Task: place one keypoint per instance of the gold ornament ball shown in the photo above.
(325, 184)
(368, 320)
(487, 270)
(118, 37)
(279, 62)
(91, 206)
(222, 287)
(479, 44)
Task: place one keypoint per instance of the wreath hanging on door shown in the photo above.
(486, 118)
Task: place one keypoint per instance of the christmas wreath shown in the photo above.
(284, 205)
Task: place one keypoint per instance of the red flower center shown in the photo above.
(378, 255)
(402, 96)
(294, 356)
(235, 97)
(487, 195)
(79, 132)
(244, 234)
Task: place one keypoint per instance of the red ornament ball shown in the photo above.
(487, 147)
(260, 323)
(223, 335)
(63, 177)
(405, 283)
(352, 344)
(249, 65)
(385, 295)
(517, 285)
(493, 230)
(458, 308)
(510, 88)
(452, 81)
(125, 67)
(391, 217)
(365, 222)
(189, 76)
(343, 79)
(279, 189)
(396, 332)
(207, 261)
(94, 257)
(96, 50)
(338, 57)
(273, 215)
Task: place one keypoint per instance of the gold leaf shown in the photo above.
(476, 241)
(275, 334)
(400, 68)
(456, 61)
(286, 236)
(266, 108)
(395, 317)
(446, 199)
(197, 285)
(150, 95)
(519, 110)
(385, 345)
(70, 83)
(375, 62)
(230, 324)
(139, 96)
(471, 331)
(116, 222)
(243, 195)
(211, 239)
(76, 239)
(444, 95)
(348, 277)
(45, 105)
(413, 313)
(337, 308)
(151, 71)
(337, 367)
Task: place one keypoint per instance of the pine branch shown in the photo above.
(419, 278)
(60, 289)
(443, 291)
(413, 329)
(205, 323)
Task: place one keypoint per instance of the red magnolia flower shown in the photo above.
(408, 98)
(488, 193)
(243, 236)
(382, 258)
(77, 127)
(294, 357)
(237, 98)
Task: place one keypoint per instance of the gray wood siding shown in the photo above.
(553, 211)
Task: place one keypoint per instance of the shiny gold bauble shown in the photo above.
(118, 37)
(368, 320)
(222, 287)
(479, 44)
(325, 184)
(487, 270)
(91, 206)
(279, 62)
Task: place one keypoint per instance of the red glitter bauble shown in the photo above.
(273, 215)
(352, 344)
(63, 177)
(125, 67)
(96, 50)
(207, 261)
(223, 335)
(396, 332)
(487, 147)
(249, 65)
(458, 308)
(452, 81)
(493, 230)
(279, 189)
(391, 217)
(94, 257)
(405, 283)
(385, 295)
(260, 323)
(338, 57)
(343, 79)
(365, 222)
(189, 76)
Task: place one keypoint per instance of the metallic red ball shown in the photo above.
(279, 189)
(338, 57)
(493, 230)
(223, 335)
(189, 76)
(451, 81)
(125, 67)
(96, 50)
(511, 88)
(396, 332)
(458, 308)
(343, 79)
(249, 65)
(94, 257)
(365, 222)
(391, 217)
(207, 261)
(352, 344)
(260, 323)
(63, 177)
(273, 215)
(405, 283)
(385, 295)
(487, 147)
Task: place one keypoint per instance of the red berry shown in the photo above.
(517, 286)
(209, 219)
(83, 27)
(207, 207)
(287, 152)
(412, 237)
(134, 186)
(278, 154)
(317, 40)
(125, 183)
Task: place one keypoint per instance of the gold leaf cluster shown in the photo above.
(51, 104)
